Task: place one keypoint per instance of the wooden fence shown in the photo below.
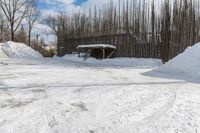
(128, 45)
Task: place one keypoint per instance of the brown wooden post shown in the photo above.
(79, 53)
(104, 53)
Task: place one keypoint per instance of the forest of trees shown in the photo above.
(173, 25)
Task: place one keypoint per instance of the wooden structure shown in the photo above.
(99, 51)
(128, 45)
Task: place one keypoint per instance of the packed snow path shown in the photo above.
(59, 96)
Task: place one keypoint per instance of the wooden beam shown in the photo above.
(104, 54)
(110, 54)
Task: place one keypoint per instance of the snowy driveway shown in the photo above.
(59, 96)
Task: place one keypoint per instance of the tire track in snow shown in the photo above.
(154, 117)
(119, 114)
(158, 94)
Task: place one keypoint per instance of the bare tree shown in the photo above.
(15, 11)
(57, 23)
(31, 18)
(21, 35)
(52, 22)
(4, 29)
(1, 27)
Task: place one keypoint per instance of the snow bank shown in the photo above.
(17, 50)
(186, 63)
(118, 62)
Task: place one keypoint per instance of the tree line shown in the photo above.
(173, 25)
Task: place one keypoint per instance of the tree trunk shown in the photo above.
(29, 38)
(12, 32)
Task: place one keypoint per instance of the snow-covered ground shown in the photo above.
(66, 95)
(116, 62)
(60, 96)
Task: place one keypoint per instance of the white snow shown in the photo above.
(70, 95)
(97, 46)
(186, 63)
(62, 96)
(117, 62)
(17, 50)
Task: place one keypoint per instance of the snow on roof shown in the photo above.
(97, 46)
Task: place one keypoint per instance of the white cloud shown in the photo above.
(59, 2)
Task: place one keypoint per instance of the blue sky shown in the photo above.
(47, 4)
(79, 2)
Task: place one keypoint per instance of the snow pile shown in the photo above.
(118, 62)
(17, 50)
(186, 63)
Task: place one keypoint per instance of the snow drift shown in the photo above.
(17, 50)
(117, 62)
(186, 63)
